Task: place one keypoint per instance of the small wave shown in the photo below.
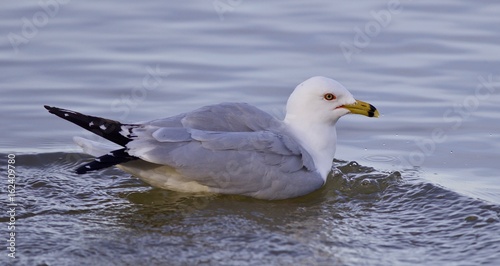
(353, 179)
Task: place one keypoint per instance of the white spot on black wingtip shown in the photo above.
(103, 127)
(87, 166)
(98, 160)
(91, 123)
(66, 114)
(125, 132)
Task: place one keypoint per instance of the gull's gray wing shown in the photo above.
(259, 164)
(231, 148)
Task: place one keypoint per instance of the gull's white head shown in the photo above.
(312, 111)
(324, 100)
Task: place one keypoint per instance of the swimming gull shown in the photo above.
(229, 148)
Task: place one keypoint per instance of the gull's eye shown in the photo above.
(330, 97)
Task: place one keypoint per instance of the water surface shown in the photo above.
(418, 185)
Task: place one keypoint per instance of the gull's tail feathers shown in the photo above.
(94, 148)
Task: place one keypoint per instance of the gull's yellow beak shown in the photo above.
(362, 108)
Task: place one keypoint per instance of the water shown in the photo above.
(418, 185)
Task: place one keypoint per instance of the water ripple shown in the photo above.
(102, 214)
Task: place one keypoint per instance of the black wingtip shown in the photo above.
(81, 170)
(109, 129)
(50, 108)
(113, 158)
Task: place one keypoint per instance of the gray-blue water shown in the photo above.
(419, 185)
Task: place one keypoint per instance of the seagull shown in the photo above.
(229, 148)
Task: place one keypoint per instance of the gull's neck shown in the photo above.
(319, 139)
